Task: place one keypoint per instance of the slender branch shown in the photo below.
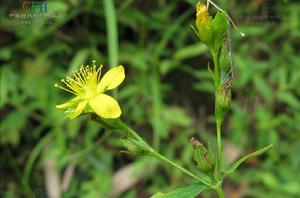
(132, 133)
(112, 32)
(219, 142)
(220, 192)
(129, 130)
(163, 158)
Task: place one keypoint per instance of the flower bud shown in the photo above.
(210, 31)
(204, 158)
(203, 25)
(223, 100)
(223, 61)
(219, 26)
(202, 15)
(136, 147)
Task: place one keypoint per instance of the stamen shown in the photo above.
(83, 82)
(72, 86)
(78, 87)
(99, 73)
(61, 87)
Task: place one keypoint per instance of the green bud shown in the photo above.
(223, 60)
(210, 31)
(205, 35)
(203, 25)
(223, 100)
(204, 158)
(219, 29)
(136, 147)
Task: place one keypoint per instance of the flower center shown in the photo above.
(83, 82)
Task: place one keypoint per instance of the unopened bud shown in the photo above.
(211, 31)
(204, 158)
(224, 59)
(219, 26)
(202, 15)
(223, 99)
(136, 147)
(194, 142)
(203, 25)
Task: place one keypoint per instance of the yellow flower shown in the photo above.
(88, 87)
(202, 15)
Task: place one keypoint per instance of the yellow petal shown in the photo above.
(105, 106)
(80, 107)
(111, 79)
(68, 104)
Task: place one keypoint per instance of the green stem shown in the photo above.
(130, 131)
(121, 125)
(219, 142)
(163, 158)
(112, 35)
(112, 32)
(220, 192)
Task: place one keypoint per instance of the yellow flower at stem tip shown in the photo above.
(202, 15)
(88, 87)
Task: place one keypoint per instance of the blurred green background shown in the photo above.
(167, 96)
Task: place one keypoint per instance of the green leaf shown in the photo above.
(190, 51)
(184, 192)
(181, 119)
(234, 166)
(112, 32)
(262, 87)
(290, 99)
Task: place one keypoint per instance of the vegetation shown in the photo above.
(167, 96)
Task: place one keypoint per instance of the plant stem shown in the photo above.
(219, 191)
(163, 158)
(112, 35)
(219, 142)
(129, 130)
(112, 32)
(123, 126)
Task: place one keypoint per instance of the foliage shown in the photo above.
(166, 76)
